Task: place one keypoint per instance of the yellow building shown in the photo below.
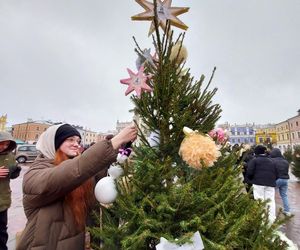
(266, 135)
(283, 136)
(3, 121)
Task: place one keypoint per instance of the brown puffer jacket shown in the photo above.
(51, 224)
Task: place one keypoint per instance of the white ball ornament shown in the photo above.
(121, 158)
(115, 171)
(105, 190)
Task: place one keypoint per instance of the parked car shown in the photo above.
(26, 152)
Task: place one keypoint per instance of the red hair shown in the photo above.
(81, 198)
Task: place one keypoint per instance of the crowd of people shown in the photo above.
(265, 171)
(58, 187)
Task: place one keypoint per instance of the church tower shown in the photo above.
(3, 122)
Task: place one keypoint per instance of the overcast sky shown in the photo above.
(63, 59)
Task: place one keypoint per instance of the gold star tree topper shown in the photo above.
(164, 12)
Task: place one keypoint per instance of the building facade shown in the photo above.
(266, 134)
(29, 131)
(294, 126)
(239, 134)
(87, 136)
(283, 136)
(121, 125)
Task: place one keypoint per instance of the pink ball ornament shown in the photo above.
(219, 135)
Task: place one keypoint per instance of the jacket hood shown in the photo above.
(5, 136)
(46, 142)
(260, 150)
(276, 153)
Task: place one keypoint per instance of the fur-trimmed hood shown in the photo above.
(5, 136)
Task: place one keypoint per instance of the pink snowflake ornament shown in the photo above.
(137, 82)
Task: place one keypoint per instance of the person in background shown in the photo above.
(262, 173)
(8, 170)
(247, 156)
(282, 167)
(58, 187)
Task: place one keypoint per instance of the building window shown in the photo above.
(297, 124)
(37, 128)
(36, 136)
(299, 135)
(287, 136)
(260, 140)
(293, 135)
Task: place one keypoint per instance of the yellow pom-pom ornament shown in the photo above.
(179, 56)
(198, 150)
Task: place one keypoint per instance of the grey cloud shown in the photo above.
(62, 60)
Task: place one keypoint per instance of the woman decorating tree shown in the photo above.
(58, 188)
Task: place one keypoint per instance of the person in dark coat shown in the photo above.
(282, 167)
(247, 156)
(263, 174)
(8, 170)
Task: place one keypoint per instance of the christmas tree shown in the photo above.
(296, 162)
(175, 184)
(288, 155)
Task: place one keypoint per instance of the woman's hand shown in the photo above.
(127, 134)
(3, 172)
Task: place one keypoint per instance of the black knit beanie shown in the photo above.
(260, 149)
(62, 133)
